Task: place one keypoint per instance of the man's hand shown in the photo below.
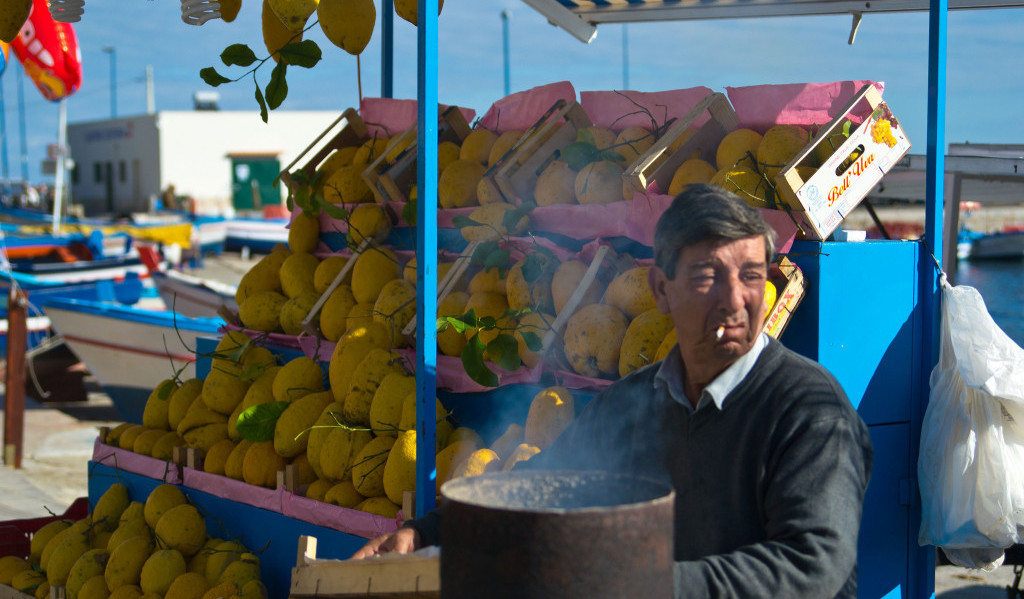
(403, 540)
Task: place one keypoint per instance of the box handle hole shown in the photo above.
(849, 160)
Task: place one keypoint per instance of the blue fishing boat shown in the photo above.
(128, 349)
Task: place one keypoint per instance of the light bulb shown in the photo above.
(197, 12)
(67, 11)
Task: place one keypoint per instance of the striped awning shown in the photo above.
(581, 17)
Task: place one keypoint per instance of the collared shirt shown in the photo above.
(670, 373)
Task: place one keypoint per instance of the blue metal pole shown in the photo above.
(504, 48)
(113, 79)
(625, 56)
(21, 124)
(426, 257)
(3, 133)
(387, 54)
(922, 561)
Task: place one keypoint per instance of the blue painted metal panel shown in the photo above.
(273, 537)
(884, 533)
(861, 320)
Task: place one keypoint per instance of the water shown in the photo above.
(1001, 284)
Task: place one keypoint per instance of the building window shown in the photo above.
(121, 171)
(97, 173)
(74, 175)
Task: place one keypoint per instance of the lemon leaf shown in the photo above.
(303, 54)
(504, 351)
(532, 340)
(257, 423)
(277, 89)
(212, 77)
(262, 103)
(238, 54)
(497, 259)
(473, 362)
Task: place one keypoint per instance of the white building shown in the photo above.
(123, 165)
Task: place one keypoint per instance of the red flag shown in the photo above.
(49, 52)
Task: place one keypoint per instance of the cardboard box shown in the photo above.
(790, 287)
(395, 576)
(851, 172)
(391, 180)
(659, 163)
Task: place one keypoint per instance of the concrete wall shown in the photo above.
(194, 148)
(129, 148)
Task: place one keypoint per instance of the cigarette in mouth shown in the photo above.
(720, 332)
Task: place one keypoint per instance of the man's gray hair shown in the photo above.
(702, 212)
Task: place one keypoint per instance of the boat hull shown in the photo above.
(192, 296)
(129, 350)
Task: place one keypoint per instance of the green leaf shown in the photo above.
(212, 77)
(409, 212)
(303, 54)
(482, 251)
(611, 155)
(533, 340)
(238, 54)
(533, 267)
(504, 351)
(473, 362)
(333, 210)
(486, 322)
(585, 135)
(277, 89)
(262, 103)
(463, 221)
(454, 322)
(469, 318)
(257, 422)
(497, 258)
(166, 390)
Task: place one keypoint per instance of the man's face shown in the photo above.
(717, 284)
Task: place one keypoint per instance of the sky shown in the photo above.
(983, 95)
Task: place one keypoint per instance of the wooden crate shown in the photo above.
(395, 576)
(790, 286)
(516, 175)
(839, 185)
(390, 181)
(348, 130)
(658, 164)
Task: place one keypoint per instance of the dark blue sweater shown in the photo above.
(769, 490)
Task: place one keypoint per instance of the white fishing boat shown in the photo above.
(979, 246)
(192, 296)
(129, 350)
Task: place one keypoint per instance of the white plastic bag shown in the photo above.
(971, 463)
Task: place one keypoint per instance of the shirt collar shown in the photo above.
(670, 373)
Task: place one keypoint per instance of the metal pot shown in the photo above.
(567, 534)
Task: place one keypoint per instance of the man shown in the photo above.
(768, 458)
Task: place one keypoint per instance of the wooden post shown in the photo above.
(14, 410)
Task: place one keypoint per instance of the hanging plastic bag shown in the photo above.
(971, 463)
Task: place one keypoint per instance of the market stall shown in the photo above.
(883, 367)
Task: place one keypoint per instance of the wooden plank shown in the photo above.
(9, 592)
(518, 176)
(574, 300)
(449, 281)
(658, 165)
(351, 131)
(391, 181)
(390, 575)
(314, 313)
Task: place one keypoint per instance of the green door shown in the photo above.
(252, 182)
